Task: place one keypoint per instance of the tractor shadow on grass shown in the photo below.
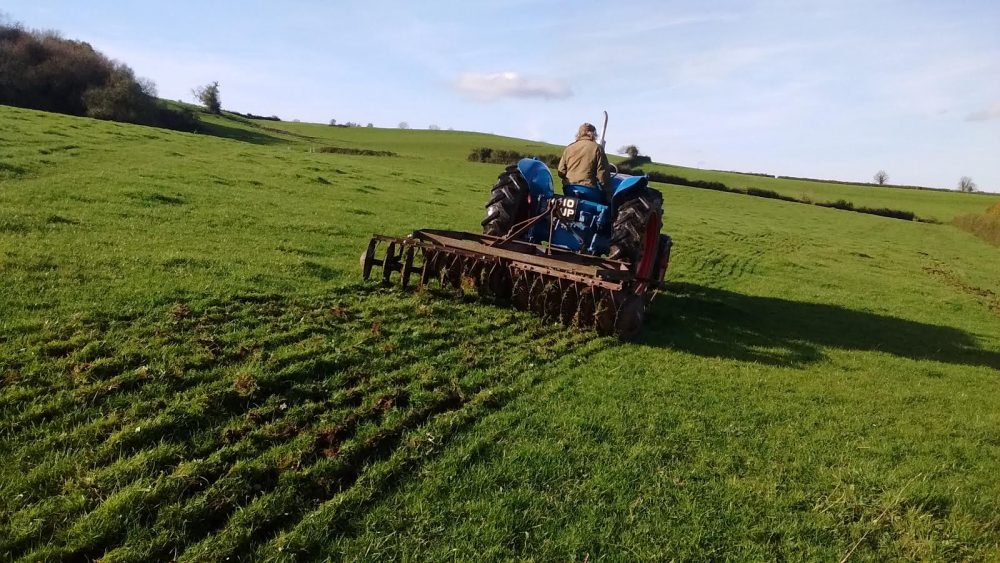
(718, 323)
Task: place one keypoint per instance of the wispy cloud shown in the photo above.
(486, 87)
(654, 24)
(992, 112)
(721, 64)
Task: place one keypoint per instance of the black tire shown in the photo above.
(508, 204)
(629, 230)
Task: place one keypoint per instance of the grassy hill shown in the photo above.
(939, 205)
(191, 370)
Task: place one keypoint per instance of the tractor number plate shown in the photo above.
(568, 208)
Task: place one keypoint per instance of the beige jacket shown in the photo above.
(584, 162)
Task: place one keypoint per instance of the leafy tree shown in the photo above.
(881, 177)
(404, 125)
(208, 95)
(433, 127)
(370, 125)
(965, 184)
(333, 122)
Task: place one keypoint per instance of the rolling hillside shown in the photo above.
(191, 369)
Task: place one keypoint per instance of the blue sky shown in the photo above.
(834, 89)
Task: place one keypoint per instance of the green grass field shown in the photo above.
(192, 370)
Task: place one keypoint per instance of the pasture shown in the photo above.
(191, 369)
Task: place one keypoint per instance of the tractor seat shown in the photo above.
(586, 193)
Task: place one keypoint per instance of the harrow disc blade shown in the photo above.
(520, 292)
(568, 305)
(473, 275)
(552, 300)
(536, 296)
(368, 259)
(499, 282)
(453, 272)
(429, 270)
(407, 269)
(388, 262)
(605, 314)
(584, 317)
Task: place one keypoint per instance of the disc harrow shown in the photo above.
(577, 290)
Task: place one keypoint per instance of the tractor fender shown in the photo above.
(538, 176)
(627, 188)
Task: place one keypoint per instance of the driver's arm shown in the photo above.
(563, 168)
(603, 171)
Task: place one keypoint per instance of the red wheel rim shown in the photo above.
(650, 240)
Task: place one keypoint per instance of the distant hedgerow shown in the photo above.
(361, 152)
(883, 211)
(498, 156)
(770, 194)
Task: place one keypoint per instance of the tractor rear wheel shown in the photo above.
(633, 221)
(508, 204)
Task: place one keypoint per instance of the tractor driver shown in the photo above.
(584, 162)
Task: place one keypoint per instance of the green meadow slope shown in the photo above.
(192, 371)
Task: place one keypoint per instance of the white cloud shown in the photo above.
(489, 87)
(992, 112)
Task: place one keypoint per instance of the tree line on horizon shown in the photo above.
(42, 70)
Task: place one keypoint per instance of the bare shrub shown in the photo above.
(208, 95)
(965, 184)
(631, 151)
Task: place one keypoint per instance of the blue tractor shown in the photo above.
(574, 258)
(581, 220)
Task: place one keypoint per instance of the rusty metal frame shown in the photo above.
(591, 271)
